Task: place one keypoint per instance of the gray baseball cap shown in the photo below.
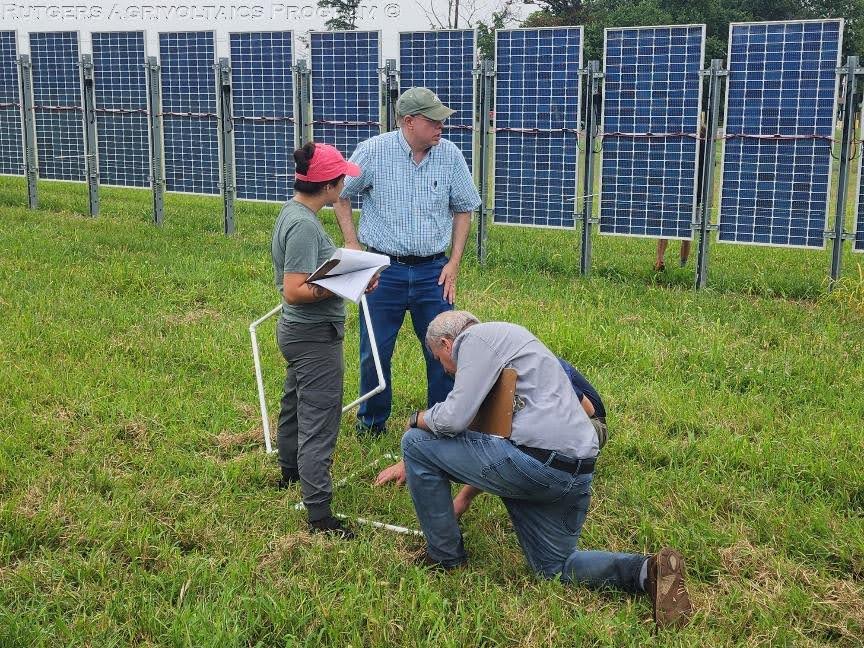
(422, 101)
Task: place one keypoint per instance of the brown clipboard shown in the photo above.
(495, 415)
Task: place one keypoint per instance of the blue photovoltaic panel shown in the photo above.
(120, 86)
(345, 88)
(263, 109)
(782, 87)
(190, 125)
(57, 105)
(651, 85)
(858, 241)
(11, 148)
(443, 61)
(537, 106)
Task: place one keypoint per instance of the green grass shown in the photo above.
(137, 505)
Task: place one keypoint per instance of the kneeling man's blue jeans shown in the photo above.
(547, 506)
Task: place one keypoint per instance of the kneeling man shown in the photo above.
(542, 473)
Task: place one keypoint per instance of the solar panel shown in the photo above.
(263, 109)
(780, 105)
(444, 61)
(346, 92)
(858, 240)
(120, 88)
(537, 105)
(190, 124)
(652, 95)
(11, 145)
(57, 105)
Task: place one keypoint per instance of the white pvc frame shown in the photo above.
(299, 506)
(265, 421)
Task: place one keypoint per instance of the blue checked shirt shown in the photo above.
(407, 207)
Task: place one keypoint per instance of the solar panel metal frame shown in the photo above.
(146, 115)
(292, 123)
(494, 153)
(858, 227)
(20, 108)
(472, 162)
(698, 140)
(79, 113)
(725, 125)
(312, 34)
(216, 91)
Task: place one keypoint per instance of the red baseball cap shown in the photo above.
(326, 164)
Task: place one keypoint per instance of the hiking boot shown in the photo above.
(425, 560)
(332, 526)
(288, 479)
(375, 430)
(665, 585)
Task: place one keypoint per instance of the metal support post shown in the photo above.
(157, 152)
(714, 74)
(592, 113)
(302, 108)
(840, 234)
(391, 94)
(226, 141)
(31, 161)
(486, 81)
(91, 153)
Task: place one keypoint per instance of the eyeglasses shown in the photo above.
(435, 122)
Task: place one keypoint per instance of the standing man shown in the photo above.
(418, 195)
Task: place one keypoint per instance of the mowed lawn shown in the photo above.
(137, 505)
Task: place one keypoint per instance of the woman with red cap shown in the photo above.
(310, 333)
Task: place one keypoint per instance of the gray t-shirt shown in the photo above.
(300, 244)
(548, 413)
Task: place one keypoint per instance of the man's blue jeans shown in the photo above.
(402, 288)
(547, 506)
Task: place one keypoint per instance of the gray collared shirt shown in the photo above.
(548, 413)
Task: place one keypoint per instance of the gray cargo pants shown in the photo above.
(311, 407)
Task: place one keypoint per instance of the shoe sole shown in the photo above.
(672, 607)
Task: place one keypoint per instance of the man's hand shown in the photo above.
(396, 473)
(372, 285)
(463, 499)
(353, 245)
(449, 273)
(460, 505)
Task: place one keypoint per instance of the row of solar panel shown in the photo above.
(782, 82)
(345, 97)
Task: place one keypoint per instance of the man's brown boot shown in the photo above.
(666, 587)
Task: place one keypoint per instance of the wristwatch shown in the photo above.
(412, 422)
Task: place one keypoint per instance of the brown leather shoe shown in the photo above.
(666, 587)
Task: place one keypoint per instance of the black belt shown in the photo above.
(572, 466)
(409, 259)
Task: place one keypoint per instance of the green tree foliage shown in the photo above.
(596, 15)
(343, 13)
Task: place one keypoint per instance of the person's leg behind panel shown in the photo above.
(387, 305)
(427, 301)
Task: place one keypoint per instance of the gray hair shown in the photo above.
(448, 325)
